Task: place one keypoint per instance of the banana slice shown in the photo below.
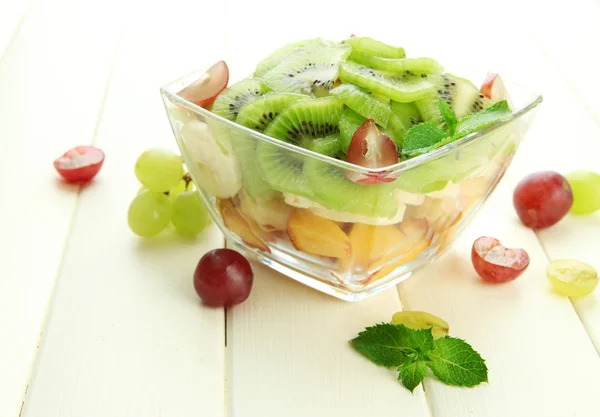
(214, 161)
(270, 214)
(344, 217)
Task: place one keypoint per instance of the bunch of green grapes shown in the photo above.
(167, 196)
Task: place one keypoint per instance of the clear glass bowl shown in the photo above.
(294, 210)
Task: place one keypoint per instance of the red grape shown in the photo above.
(370, 148)
(223, 277)
(542, 199)
(205, 90)
(80, 164)
(495, 263)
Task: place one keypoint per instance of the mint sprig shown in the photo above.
(427, 136)
(451, 360)
(448, 115)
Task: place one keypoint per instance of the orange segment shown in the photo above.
(371, 242)
(313, 234)
(405, 258)
(239, 225)
(413, 235)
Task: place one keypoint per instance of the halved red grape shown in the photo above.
(223, 277)
(542, 199)
(495, 263)
(370, 148)
(80, 164)
(205, 90)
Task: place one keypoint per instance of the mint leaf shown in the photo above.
(393, 345)
(422, 136)
(480, 120)
(448, 115)
(421, 151)
(412, 374)
(454, 362)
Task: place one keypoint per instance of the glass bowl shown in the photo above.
(295, 211)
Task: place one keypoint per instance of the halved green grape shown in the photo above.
(159, 169)
(189, 215)
(585, 186)
(149, 213)
(572, 278)
(421, 320)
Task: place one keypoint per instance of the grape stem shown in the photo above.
(187, 178)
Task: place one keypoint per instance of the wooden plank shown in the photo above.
(569, 126)
(533, 342)
(126, 335)
(11, 15)
(288, 339)
(41, 116)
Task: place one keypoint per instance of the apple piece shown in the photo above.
(238, 225)
(496, 264)
(370, 148)
(205, 89)
(312, 234)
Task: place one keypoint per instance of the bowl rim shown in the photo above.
(401, 166)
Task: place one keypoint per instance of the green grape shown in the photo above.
(586, 191)
(159, 169)
(572, 278)
(189, 216)
(421, 320)
(149, 213)
(179, 188)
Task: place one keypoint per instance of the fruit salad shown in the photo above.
(347, 162)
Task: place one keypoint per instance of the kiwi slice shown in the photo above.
(403, 88)
(363, 103)
(336, 192)
(329, 145)
(370, 46)
(403, 117)
(414, 65)
(258, 113)
(349, 123)
(273, 59)
(229, 102)
(306, 120)
(461, 94)
(300, 124)
(311, 71)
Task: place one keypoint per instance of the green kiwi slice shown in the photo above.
(402, 88)
(363, 103)
(258, 113)
(336, 192)
(273, 59)
(312, 71)
(403, 117)
(300, 124)
(415, 65)
(370, 46)
(349, 123)
(329, 145)
(252, 176)
(461, 94)
(229, 102)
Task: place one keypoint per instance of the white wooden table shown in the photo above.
(95, 322)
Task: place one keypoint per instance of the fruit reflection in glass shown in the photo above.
(346, 165)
